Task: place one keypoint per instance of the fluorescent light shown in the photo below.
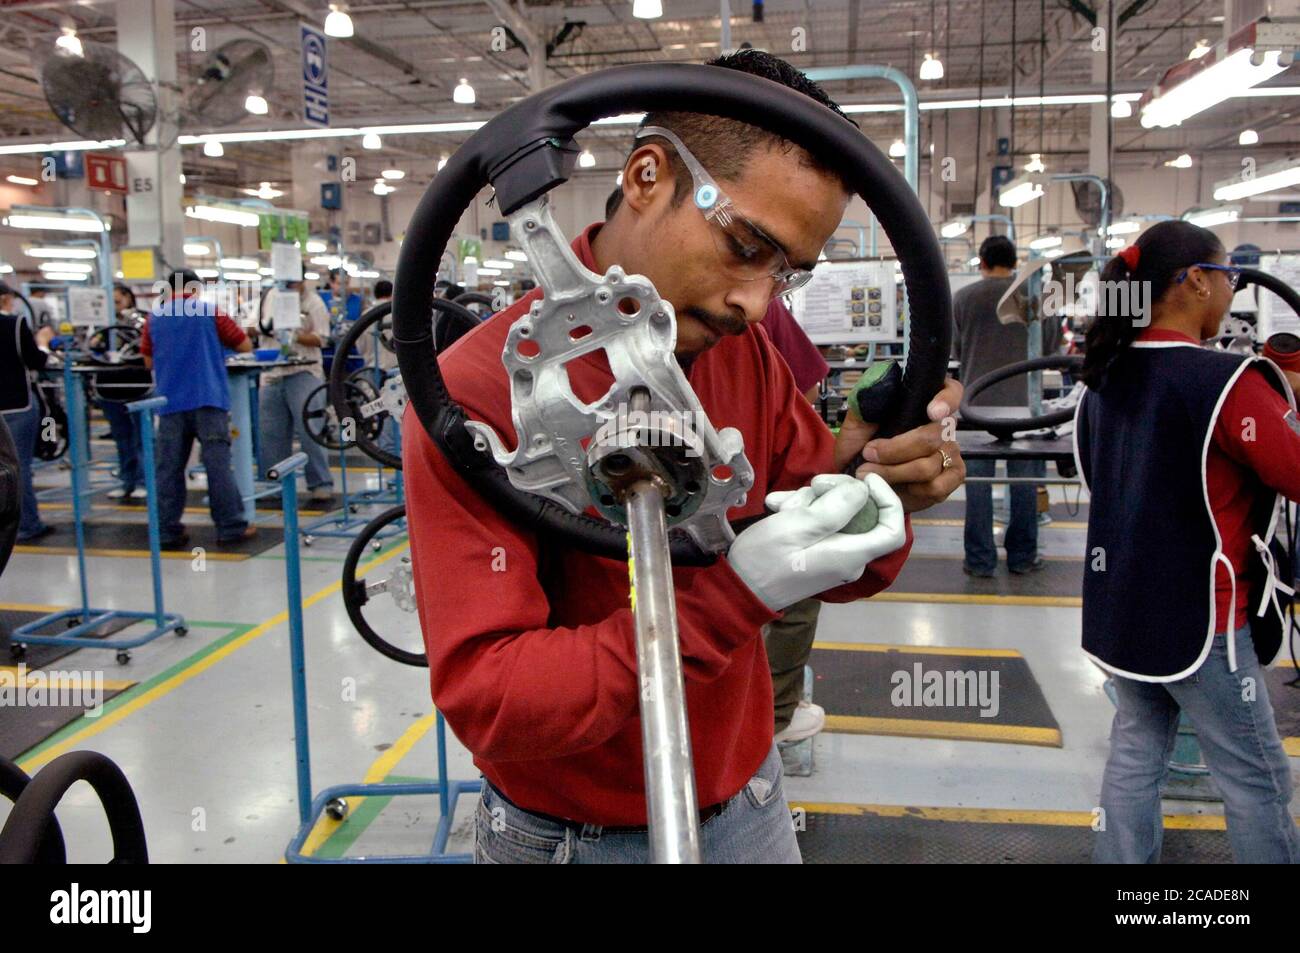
(256, 104)
(1200, 49)
(196, 249)
(585, 159)
(955, 228)
(65, 276)
(59, 223)
(1211, 85)
(442, 161)
(1209, 217)
(213, 149)
(1277, 175)
(931, 67)
(1121, 109)
(382, 188)
(1047, 241)
(77, 266)
(21, 180)
(338, 23)
(311, 275)
(394, 174)
(217, 213)
(182, 178)
(647, 9)
(1183, 161)
(1054, 253)
(498, 263)
(266, 272)
(315, 246)
(897, 149)
(243, 276)
(6, 269)
(58, 251)
(1035, 163)
(501, 284)
(264, 191)
(974, 262)
(207, 272)
(244, 264)
(463, 93)
(69, 42)
(1019, 191)
(516, 255)
(326, 261)
(1115, 243)
(1127, 227)
(1248, 137)
(489, 271)
(367, 274)
(371, 140)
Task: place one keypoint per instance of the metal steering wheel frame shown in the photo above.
(528, 150)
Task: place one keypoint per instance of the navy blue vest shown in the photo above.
(1141, 441)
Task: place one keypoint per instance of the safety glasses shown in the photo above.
(744, 251)
(1234, 274)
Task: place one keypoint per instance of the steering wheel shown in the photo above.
(399, 586)
(529, 149)
(481, 304)
(101, 349)
(1253, 276)
(453, 320)
(1004, 427)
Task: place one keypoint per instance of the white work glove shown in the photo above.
(799, 550)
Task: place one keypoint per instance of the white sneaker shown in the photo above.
(117, 494)
(808, 720)
(139, 493)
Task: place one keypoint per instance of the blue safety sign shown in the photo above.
(315, 77)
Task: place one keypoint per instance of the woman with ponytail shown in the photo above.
(1187, 452)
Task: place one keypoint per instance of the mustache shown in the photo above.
(724, 324)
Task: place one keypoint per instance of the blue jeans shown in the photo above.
(176, 435)
(1022, 532)
(25, 426)
(1239, 740)
(279, 412)
(125, 428)
(754, 828)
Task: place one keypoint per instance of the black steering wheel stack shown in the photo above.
(529, 149)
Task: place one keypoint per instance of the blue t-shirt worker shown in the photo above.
(184, 342)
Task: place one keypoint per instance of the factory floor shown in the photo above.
(205, 735)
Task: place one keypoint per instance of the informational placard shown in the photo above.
(139, 264)
(1275, 314)
(286, 314)
(286, 262)
(89, 308)
(849, 302)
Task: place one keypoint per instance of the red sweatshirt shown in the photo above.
(531, 648)
(1254, 450)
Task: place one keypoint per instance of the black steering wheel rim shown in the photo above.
(355, 596)
(1004, 427)
(1253, 276)
(528, 149)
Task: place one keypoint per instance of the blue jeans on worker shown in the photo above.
(176, 435)
(1022, 529)
(24, 426)
(755, 827)
(125, 429)
(1239, 740)
(279, 412)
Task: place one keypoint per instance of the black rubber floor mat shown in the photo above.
(132, 539)
(919, 692)
(1285, 697)
(23, 727)
(39, 656)
(865, 838)
(943, 575)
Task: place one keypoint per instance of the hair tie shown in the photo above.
(1130, 257)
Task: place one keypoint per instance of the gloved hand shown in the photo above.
(802, 550)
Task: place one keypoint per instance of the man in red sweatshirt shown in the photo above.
(530, 643)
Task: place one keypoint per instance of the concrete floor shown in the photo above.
(208, 744)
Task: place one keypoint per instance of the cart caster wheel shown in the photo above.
(377, 544)
(352, 507)
(123, 658)
(17, 651)
(308, 540)
(71, 623)
(337, 809)
(182, 631)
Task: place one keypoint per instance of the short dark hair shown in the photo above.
(613, 202)
(119, 286)
(182, 278)
(383, 288)
(997, 251)
(724, 146)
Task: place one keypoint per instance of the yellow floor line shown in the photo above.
(947, 730)
(382, 767)
(28, 607)
(1291, 746)
(128, 553)
(984, 815)
(979, 599)
(166, 687)
(917, 649)
(36, 676)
